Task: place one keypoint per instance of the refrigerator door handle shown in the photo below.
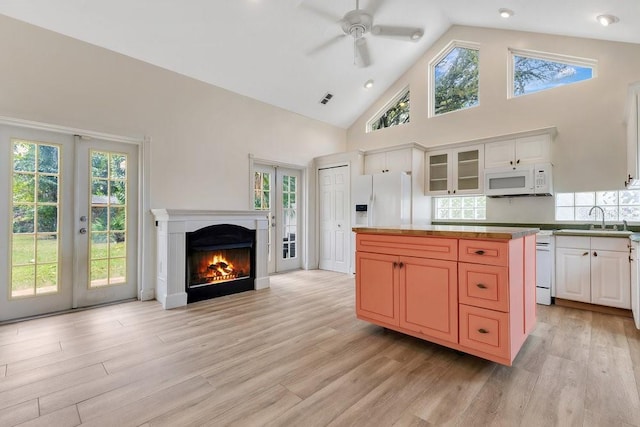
(372, 202)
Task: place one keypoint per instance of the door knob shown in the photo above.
(83, 231)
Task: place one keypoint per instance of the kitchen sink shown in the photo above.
(594, 232)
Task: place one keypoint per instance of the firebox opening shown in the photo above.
(220, 261)
(219, 266)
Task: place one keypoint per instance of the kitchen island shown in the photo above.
(470, 288)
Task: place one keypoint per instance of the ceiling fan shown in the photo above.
(359, 22)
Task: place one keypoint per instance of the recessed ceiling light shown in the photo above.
(606, 20)
(506, 13)
(368, 84)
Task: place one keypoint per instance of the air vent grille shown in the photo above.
(326, 98)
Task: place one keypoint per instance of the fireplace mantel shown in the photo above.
(172, 226)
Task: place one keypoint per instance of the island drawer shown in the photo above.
(484, 286)
(484, 252)
(484, 330)
(414, 246)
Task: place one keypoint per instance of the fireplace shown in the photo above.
(220, 261)
(242, 231)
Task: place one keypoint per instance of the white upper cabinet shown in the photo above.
(520, 151)
(455, 171)
(399, 160)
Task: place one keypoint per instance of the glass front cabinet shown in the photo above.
(455, 171)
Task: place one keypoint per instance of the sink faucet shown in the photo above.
(602, 211)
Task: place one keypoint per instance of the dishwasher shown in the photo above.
(544, 266)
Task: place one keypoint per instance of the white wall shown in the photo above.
(201, 134)
(589, 152)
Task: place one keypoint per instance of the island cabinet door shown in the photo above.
(429, 297)
(377, 294)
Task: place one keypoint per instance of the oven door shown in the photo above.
(509, 182)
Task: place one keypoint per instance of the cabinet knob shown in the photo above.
(454, 191)
(595, 253)
(395, 264)
(479, 252)
(481, 286)
(585, 254)
(483, 331)
(401, 265)
(518, 162)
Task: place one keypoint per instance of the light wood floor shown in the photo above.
(295, 355)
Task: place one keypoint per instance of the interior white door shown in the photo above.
(277, 190)
(334, 219)
(48, 180)
(106, 222)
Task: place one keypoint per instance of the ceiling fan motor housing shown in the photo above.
(357, 23)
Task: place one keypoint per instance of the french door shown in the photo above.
(277, 190)
(68, 234)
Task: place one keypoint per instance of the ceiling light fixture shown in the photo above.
(368, 84)
(606, 20)
(506, 13)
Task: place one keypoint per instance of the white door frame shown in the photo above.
(303, 205)
(146, 288)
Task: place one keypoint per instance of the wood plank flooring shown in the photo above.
(295, 355)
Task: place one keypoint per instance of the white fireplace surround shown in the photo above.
(172, 226)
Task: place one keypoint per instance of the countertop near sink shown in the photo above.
(594, 233)
(452, 231)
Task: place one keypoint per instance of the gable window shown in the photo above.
(454, 78)
(535, 71)
(394, 113)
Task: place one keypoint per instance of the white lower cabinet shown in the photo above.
(594, 270)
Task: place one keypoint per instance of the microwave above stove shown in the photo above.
(526, 180)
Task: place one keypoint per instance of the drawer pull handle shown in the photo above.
(585, 254)
(481, 286)
(480, 252)
(483, 331)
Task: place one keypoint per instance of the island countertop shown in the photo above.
(452, 231)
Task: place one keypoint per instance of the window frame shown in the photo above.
(546, 56)
(431, 84)
(397, 97)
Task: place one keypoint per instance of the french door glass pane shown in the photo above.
(262, 184)
(108, 224)
(35, 227)
(289, 218)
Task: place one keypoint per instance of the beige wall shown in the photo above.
(201, 135)
(589, 152)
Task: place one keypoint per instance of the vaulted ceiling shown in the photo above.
(290, 53)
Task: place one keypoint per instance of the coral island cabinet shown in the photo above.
(468, 288)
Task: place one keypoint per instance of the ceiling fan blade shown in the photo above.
(327, 16)
(324, 45)
(361, 53)
(404, 33)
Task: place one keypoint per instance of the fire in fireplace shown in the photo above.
(220, 261)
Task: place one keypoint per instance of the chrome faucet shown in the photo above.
(625, 226)
(601, 210)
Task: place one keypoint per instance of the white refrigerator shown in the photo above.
(382, 199)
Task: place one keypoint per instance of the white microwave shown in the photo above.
(526, 180)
